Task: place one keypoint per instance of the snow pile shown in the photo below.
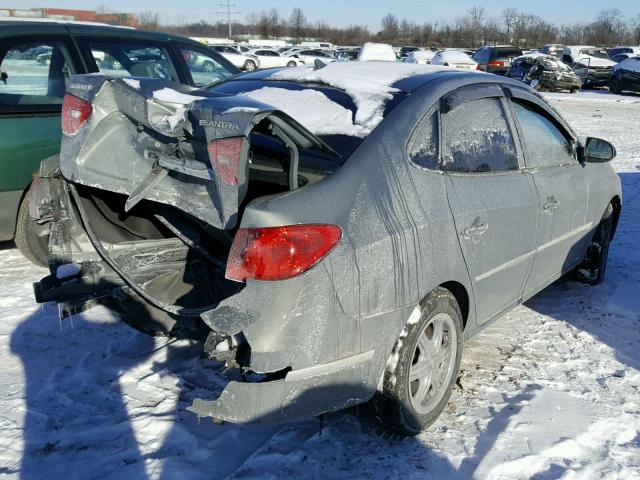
(132, 82)
(311, 108)
(173, 96)
(369, 84)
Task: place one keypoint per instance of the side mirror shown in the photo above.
(3, 77)
(597, 150)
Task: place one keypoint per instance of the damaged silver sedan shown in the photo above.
(334, 233)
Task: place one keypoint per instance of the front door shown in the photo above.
(494, 203)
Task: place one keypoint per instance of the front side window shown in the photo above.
(544, 143)
(478, 138)
(423, 146)
(35, 73)
(129, 59)
(204, 67)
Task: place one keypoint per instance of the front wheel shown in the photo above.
(291, 64)
(34, 248)
(594, 266)
(423, 366)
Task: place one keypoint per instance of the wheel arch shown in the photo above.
(462, 297)
(616, 203)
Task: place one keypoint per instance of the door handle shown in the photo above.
(476, 230)
(551, 204)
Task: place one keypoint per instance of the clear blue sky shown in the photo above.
(345, 12)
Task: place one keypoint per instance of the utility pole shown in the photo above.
(228, 6)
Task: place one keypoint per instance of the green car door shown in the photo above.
(34, 65)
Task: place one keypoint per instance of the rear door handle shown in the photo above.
(551, 204)
(476, 230)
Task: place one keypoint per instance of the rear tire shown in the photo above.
(208, 66)
(614, 86)
(249, 66)
(594, 266)
(416, 388)
(291, 64)
(34, 248)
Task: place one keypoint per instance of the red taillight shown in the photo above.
(495, 64)
(445, 64)
(478, 67)
(75, 113)
(224, 156)
(278, 253)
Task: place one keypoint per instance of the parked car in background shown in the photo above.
(553, 49)
(246, 61)
(32, 92)
(377, 52)
(404, 51)
(445, 201)
(455, 59)
(612, 52)
(269, 58)
(496, 59)
(544, 73)
(590, 63)
(308, 56)
(622, 56)
(422, 57)
(347, 54)
(626, 76)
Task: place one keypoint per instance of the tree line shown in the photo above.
(474, 29)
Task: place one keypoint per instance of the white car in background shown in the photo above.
(309, 56)
(421, 57)
(377, 52)
(245, 61)
(454, 59)
(271, 58)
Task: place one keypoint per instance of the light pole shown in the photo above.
(227, 6)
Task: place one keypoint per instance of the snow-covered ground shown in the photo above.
(551, 390)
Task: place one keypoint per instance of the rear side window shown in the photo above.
(506, 52)
(477, 138)
(203, 66)
(544, 144)
(36, 74)
(423, 146)
(124, 59)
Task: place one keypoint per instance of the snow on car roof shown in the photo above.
(455, 56)
(369, 84)
(57, 20)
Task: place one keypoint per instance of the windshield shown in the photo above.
(595, 52)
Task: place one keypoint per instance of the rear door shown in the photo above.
(37, 68)
(493, 201)
(562, 192)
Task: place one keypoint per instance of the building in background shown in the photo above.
(112, 18)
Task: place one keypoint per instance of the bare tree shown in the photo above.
(635, 29)
(609, 27)
(297, 23)
(390, 28)
(509, 17)
(148, 20)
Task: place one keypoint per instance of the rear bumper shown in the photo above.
(303, 393)
(9, 204)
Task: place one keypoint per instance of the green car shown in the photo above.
(37, 60)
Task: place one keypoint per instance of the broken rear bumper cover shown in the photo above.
(301, 394)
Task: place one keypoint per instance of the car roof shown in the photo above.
(407, 85)
(51, 26)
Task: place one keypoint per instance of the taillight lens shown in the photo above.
(224, 155)
(495, 64)
(278, 253)
(75, 113)
(478, 67)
